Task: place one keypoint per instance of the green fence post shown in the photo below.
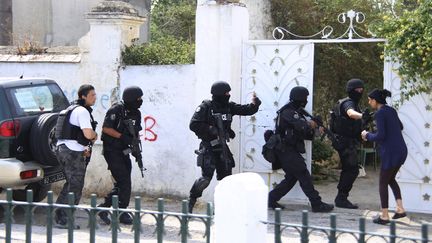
(209, 221)
(277, 226)
(425, 233)
(9, 213)
(305, 225)
(160, 221)
(184, 222)
(362, 230)
(332, 236)
(28, 215)
(114, 219)
(71, 219)
(92, 218)
(137, 219)
(50, 209)
(392, 231)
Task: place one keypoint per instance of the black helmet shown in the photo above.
(131, 94)
(220, 88)
(353, 84)
(299, 93)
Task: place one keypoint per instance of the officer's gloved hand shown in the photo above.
(256, 101)
(126, 139)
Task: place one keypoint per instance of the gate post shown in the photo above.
(241, 209)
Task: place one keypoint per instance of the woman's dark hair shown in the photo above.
(84, 90)
(380, 95)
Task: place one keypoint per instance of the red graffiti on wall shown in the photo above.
(149, 134)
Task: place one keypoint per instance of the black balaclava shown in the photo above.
(219, 90)
(298, 96)
(351, 87)
(380, 95)
(130, 97)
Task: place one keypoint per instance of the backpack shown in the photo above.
(273, 142)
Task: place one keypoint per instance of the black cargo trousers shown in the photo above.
(294, 166)
(350, 165)
(210, 160)
(120, 166)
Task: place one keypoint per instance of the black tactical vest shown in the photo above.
(341, 124)
(66, 130)
(226, 115)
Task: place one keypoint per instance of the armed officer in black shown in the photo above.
(204, 124)
(346, 123)
(116, 141)
(294, 129)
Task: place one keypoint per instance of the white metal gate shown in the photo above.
(272, 69)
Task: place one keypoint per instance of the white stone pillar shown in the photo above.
(113, 25)
(241, 207)
(220, 32)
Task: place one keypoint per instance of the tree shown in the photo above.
(409, 42)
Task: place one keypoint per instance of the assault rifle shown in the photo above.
(135, 148)
(319, 122)
(222, 139)
(367, 118)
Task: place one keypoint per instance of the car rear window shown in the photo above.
(30, 100)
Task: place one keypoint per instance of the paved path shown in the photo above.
(365, 193)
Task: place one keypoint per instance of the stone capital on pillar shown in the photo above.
(113, 24)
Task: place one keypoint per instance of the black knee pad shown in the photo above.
(202, 183)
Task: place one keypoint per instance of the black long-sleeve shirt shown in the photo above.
(202, 120)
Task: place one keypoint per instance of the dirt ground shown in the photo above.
(365, 194)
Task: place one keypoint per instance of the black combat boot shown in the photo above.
(342, 201)
(126, 218)
(274, 205)
(191, 204)
(322, 207)
(104, 217)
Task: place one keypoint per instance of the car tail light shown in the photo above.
(28, 174)
(10, 128)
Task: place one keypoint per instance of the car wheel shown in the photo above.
(43, 141)
(39, 192)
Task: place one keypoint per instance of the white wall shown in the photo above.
(168, 144)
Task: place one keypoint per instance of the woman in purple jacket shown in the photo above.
(392, 149)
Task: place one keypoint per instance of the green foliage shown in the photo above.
(166, 51)
(409, 42)
(321, 150)
(176, 18)
(172, 31)
(335, 64)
